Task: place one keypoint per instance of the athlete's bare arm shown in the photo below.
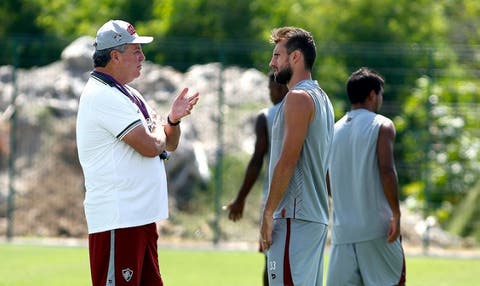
(299, 111)
(254, 168)
(388, 176)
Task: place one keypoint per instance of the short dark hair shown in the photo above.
(297, 39)
(102, 57)
(361, 82)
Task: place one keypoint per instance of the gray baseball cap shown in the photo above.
(117, 32)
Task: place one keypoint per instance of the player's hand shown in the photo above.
(266, 229)
(394, 229)
(182, 105)
(235, 210)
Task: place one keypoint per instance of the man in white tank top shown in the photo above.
(366, 247)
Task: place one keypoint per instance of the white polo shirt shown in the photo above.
(123, 188)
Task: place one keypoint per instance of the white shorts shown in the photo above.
(369, 263)
(296, 254)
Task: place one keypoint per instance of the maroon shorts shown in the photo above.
(126, 256)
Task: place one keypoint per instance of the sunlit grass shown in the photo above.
(57, 266)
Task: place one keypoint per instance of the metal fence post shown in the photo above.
(427, 173)
(12, 147)
(220, 151)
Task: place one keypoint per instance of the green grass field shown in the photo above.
(57, 266)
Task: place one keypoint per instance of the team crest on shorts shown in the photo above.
(127, 274)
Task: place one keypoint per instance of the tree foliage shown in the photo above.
(444, 143)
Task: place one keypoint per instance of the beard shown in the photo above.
(284, 76)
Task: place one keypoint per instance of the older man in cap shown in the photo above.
(121, 147)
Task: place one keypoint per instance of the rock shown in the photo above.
(78, 55)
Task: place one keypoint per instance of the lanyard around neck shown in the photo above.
(112, 82)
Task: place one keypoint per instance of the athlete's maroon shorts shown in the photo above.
(126, 256)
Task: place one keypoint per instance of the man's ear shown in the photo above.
(296, 56)
(372, 95)
(114, 55)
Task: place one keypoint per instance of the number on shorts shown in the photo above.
(273, 265)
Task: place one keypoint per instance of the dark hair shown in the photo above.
(361, 83)
(102, 57)
(297, 39)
